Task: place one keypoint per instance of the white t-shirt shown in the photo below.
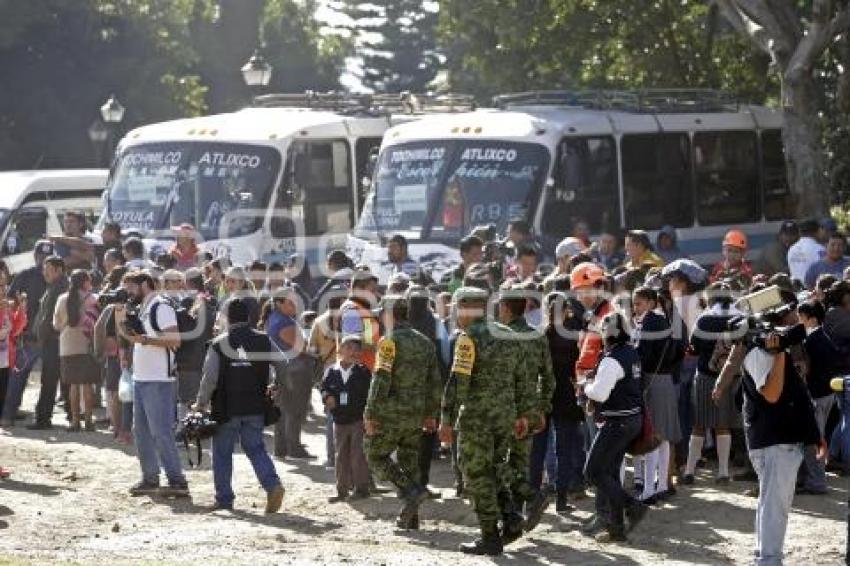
(758, 364)
(802, 255)
(152, 363)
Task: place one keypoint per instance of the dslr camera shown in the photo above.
(133, 323)
(763, 312)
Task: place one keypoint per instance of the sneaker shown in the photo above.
(611, 534)
(5, 473)
(360, 493)
(144, 488)
(594, 526)
(339, 497)
(274, 500)
(687, 479)
(220, 507)
(300, 453)
(175, 490)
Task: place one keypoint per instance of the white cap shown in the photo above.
(569, 246)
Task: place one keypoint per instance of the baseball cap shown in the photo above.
(828, 223)
(569, 246)
(350, 338)
(789, 227)
(43, 247)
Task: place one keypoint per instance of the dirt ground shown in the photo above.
(67, 502)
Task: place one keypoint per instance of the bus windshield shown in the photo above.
(160, 185)
(441, 189)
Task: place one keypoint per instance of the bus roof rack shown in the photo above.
(649, 101)
(369, 104)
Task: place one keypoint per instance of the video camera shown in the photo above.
(763, 312)
(133, 322)
(495, 250)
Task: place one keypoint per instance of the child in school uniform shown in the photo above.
(345, 389)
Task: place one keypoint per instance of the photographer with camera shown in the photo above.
(779, 421)
(235, 379)
(155, 336)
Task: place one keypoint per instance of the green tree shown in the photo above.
(801, 37)
(60, 60)
(498, 46)
(395, 42)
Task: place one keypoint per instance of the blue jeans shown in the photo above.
(839, 444)
(27, 354)
(569, 454)
(687, 371)
(154, 405)
(776, 467)
(249, 430)
(813, 470)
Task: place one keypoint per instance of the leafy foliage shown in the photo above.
(395, 41)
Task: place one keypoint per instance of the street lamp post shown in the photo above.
(257, 72)
(98, 134)
(112, 113)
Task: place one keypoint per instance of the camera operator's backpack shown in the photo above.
(185, 324)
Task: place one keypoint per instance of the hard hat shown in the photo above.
(586, 274)
(735, 238)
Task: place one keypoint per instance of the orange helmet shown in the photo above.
(586, 274)
(735, 238)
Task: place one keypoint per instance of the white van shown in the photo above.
(32, 204)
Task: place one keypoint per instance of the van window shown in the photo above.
(28, 225)
(727, 177)
(779, 202)
(657, 180)
(365, 150)
(585, 187)
(319, 177)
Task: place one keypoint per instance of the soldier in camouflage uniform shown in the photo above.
(404, 399)
(489, 404)
(541, 379)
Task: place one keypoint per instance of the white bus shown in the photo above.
(696, 160)
(33, 204)
(269, 181)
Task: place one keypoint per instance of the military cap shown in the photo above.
(470, 294)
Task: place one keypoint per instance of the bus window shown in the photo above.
(585, 187)
(657, 180)
(727, 177)
(365, 152)
(321, 179)
(779, 202)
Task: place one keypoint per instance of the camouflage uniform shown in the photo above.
(490, 392)
(538, 370)
(405, 391)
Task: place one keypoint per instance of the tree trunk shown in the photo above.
(803, 139)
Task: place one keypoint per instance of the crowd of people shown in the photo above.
(535, 378)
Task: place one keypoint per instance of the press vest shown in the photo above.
(243, 378)
(625, 399)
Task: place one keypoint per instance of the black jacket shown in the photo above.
(564, 351)
(30, 281)
(825, 362)
(356, 390)
(659, 351)
(45, 332)
(243, 381)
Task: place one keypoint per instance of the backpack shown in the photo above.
(185, 325)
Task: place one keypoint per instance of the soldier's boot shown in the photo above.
(489, 544)
(536, 507)
(411, 525)
(512, 519)
(413, 498)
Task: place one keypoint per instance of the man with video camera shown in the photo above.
(155, 336)
(779, 421)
